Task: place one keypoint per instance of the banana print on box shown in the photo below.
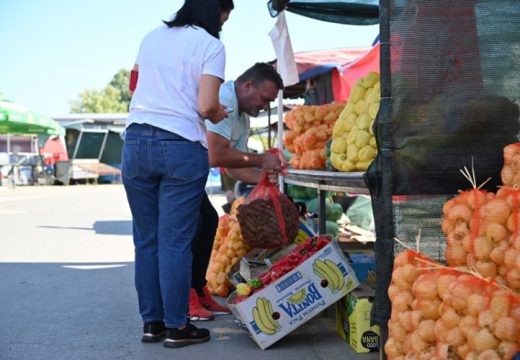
(263, 316)
(329, 271)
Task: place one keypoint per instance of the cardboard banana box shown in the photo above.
(273, 312)
(353, 320)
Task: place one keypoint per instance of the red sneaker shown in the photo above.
(210, 304)
(197, 311)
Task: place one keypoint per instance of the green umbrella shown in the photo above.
(16, 119)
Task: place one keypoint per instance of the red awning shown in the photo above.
(306, 61)
(347, 65)
(343, 79)
(312, 63)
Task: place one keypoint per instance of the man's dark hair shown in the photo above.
(260, 72)
(202, 13)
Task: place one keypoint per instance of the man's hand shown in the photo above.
(271, 162)
(273, 176)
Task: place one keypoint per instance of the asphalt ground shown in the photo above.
(66, 286)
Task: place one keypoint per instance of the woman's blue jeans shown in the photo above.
(164, 177)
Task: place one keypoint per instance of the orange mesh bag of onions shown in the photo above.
(218, 283)
(482, 231)
(425, 309)
(228, 248)
(229, 253)
(222, 230)
(415, 302)
(401, 297)
(511, 170)
(444, 313)
(489, 238)
(483, 319)
(461, 224)
(506, 253)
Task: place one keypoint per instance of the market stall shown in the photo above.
(20, 159)
(273, 292)
(94, 153)
(433, 138)
(328, 76)
(439, 95)
(446, 103)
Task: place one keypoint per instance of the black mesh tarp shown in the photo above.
(353, 12)
(450, 89)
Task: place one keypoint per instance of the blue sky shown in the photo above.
(51, 50)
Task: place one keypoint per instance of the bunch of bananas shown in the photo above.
(262, 314)
(327, 270)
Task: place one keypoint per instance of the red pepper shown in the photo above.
(322, 242)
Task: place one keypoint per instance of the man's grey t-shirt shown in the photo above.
(235, 127)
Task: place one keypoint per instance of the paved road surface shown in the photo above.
(66, 286)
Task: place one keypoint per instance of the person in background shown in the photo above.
(228, 185)
(180, 67)
(250, 93)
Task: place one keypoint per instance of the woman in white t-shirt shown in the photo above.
(180, 67)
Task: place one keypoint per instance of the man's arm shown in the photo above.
(222, 154)
(247, 175)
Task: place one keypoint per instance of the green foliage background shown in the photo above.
(112, 99)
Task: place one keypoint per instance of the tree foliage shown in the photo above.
(112, 99)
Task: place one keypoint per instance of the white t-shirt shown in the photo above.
(171, 62)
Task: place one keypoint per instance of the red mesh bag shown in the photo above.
(268, 218)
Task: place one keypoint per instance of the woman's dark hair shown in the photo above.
(260, 72)
(202, 13)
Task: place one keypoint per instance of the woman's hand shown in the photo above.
(220, 115)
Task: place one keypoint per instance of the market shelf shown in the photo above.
(323, 181)
(346, 246)
(351, 182)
